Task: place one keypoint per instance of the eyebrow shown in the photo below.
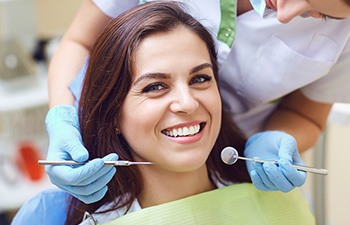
(167, 76)
(201, 67)
(152, 76)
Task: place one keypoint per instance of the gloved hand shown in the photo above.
(88, 182)
(278, 146)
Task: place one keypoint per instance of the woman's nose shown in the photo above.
(184, 102)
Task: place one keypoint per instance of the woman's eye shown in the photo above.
(153, 87)
(198, 79)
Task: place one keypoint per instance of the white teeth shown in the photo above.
(184, 131)
(174, 133)
(192, 130)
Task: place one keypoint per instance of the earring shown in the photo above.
(117, 130)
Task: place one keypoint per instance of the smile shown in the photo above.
(184, 131)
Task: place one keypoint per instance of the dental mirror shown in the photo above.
(229, 155)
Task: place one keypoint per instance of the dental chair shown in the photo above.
(49, 207)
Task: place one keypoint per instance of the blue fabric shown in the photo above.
(259, 6)
(77, 84)
(46, 208)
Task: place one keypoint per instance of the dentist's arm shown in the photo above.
(294, 127)
(89, 182)
(302, 118)
(72, 51)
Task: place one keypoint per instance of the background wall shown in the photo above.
(338, 182)
(337, 197)
(23, 102)
(53, 17)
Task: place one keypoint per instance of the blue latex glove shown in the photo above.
(88, 183)
(278, 146)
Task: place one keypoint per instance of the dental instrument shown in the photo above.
(108, 163)
(229, 155)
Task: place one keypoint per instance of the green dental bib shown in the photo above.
(235, 204)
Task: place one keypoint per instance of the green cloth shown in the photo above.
(227, 29)
(235, 204)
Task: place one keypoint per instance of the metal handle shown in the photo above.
(298, 167)
(311, 169)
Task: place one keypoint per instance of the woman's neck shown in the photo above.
(164, 186)
(243, 6)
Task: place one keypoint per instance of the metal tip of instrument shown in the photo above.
(229, 155)
(142, 163)
(125, 163)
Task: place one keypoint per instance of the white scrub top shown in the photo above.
(268, 59)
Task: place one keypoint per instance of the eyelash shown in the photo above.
(203, 77)
(323, 16)
(158, 86)
(154, 87)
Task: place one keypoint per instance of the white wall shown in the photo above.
(337, 157)
(338, 181)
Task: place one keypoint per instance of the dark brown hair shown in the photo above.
(107, 82)
(347, 2)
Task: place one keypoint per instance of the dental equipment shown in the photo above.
(108, 163)
(229, 155)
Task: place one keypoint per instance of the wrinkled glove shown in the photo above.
(278, 146)
(88, 182)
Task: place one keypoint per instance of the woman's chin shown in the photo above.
(183, 165)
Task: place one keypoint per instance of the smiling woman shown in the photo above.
(176, 91)
(147, 100)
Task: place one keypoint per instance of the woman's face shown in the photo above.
(172, 113)
(288, 9)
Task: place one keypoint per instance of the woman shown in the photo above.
(147, 100)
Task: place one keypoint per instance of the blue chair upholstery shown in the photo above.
(46, 208)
